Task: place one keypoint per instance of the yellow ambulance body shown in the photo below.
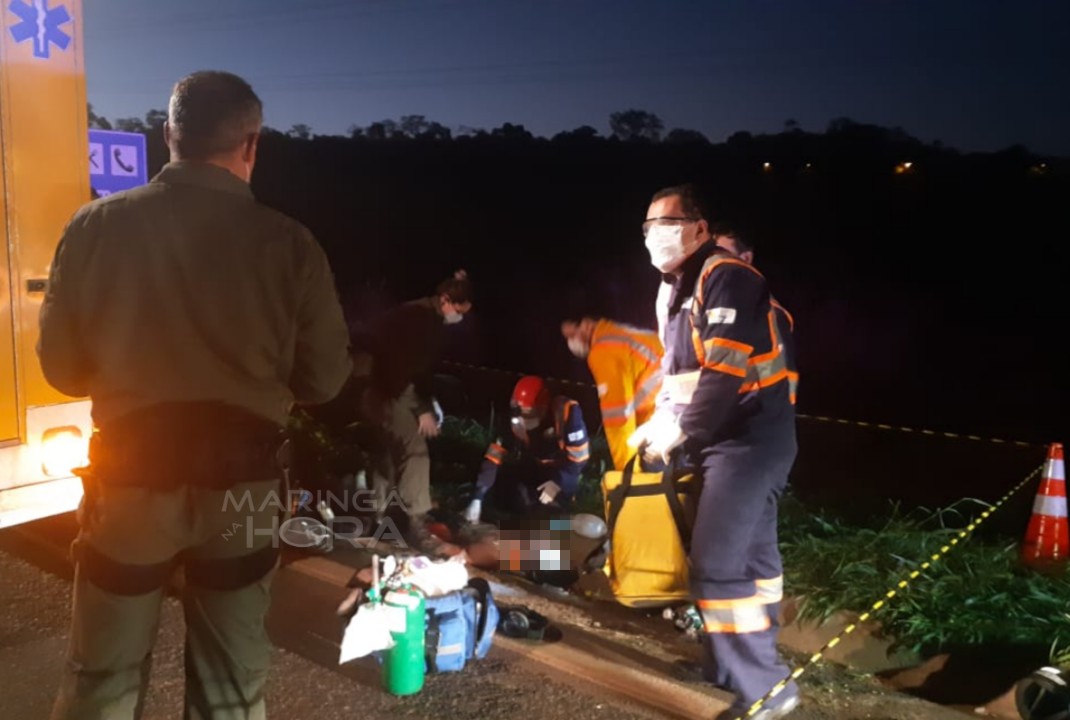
(44, 174)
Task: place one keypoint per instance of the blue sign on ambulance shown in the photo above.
(117, 161)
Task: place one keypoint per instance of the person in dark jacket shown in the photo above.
(406, 344)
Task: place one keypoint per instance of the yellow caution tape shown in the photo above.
(876, 607)
(814, 418)
(919, 431)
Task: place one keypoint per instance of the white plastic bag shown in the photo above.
(368, 631)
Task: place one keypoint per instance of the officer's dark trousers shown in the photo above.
(127, 547)
(736, 568)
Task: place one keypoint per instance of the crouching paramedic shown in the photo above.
(193, 317)
(626, 365)
(549, 437)
(726, 407)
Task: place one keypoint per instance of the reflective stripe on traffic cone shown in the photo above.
(1047, 540)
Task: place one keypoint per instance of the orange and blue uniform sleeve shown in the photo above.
(488, 471)
(730, 320)
(575, 448)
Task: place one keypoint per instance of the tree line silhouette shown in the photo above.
(926, 282)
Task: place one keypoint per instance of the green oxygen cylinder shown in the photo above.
(405, 663)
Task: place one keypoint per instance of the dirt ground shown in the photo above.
(830, 691)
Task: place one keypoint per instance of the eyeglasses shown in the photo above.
(666, 220)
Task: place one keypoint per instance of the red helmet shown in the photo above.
(530, 394)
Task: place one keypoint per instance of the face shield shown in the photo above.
(523, 421)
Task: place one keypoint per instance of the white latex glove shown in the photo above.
(549, 491)
(664, 437)
(473, 511)
(639, 437)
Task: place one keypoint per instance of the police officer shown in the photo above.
(725, 409)
(194, 318)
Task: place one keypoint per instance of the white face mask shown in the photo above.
(452, 318)
(578, 348)
(666, 246)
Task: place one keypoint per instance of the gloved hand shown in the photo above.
(473, 512)
(640, 437)
(660, 436)
(549, 490)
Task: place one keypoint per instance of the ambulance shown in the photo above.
(44, 173)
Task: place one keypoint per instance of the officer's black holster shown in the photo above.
(208, 445)
(205, 445)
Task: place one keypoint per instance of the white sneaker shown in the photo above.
(473, 511)
(781, 710)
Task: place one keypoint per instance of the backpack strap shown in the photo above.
(668, 487)
(617, 495)
(431, 638)
(482, 592)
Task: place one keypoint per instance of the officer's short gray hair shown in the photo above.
(212, 113)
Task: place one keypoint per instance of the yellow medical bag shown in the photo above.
(650, 516)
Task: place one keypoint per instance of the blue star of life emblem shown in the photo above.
(42, 24)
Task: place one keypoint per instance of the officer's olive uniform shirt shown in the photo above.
(187, 289)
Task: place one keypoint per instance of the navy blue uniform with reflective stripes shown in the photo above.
(728, 380)
(560, 448)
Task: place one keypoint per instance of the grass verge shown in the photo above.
(976, 595)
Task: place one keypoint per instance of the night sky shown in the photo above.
(975, 74)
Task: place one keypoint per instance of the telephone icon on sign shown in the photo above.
(118, 153)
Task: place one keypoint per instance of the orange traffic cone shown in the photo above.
(1047, 540)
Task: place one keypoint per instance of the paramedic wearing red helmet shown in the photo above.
(550, 432)
(725, 410)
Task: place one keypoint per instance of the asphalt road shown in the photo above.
(606, 662)
(306, 680)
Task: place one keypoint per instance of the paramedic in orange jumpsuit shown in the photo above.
(626, 365)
